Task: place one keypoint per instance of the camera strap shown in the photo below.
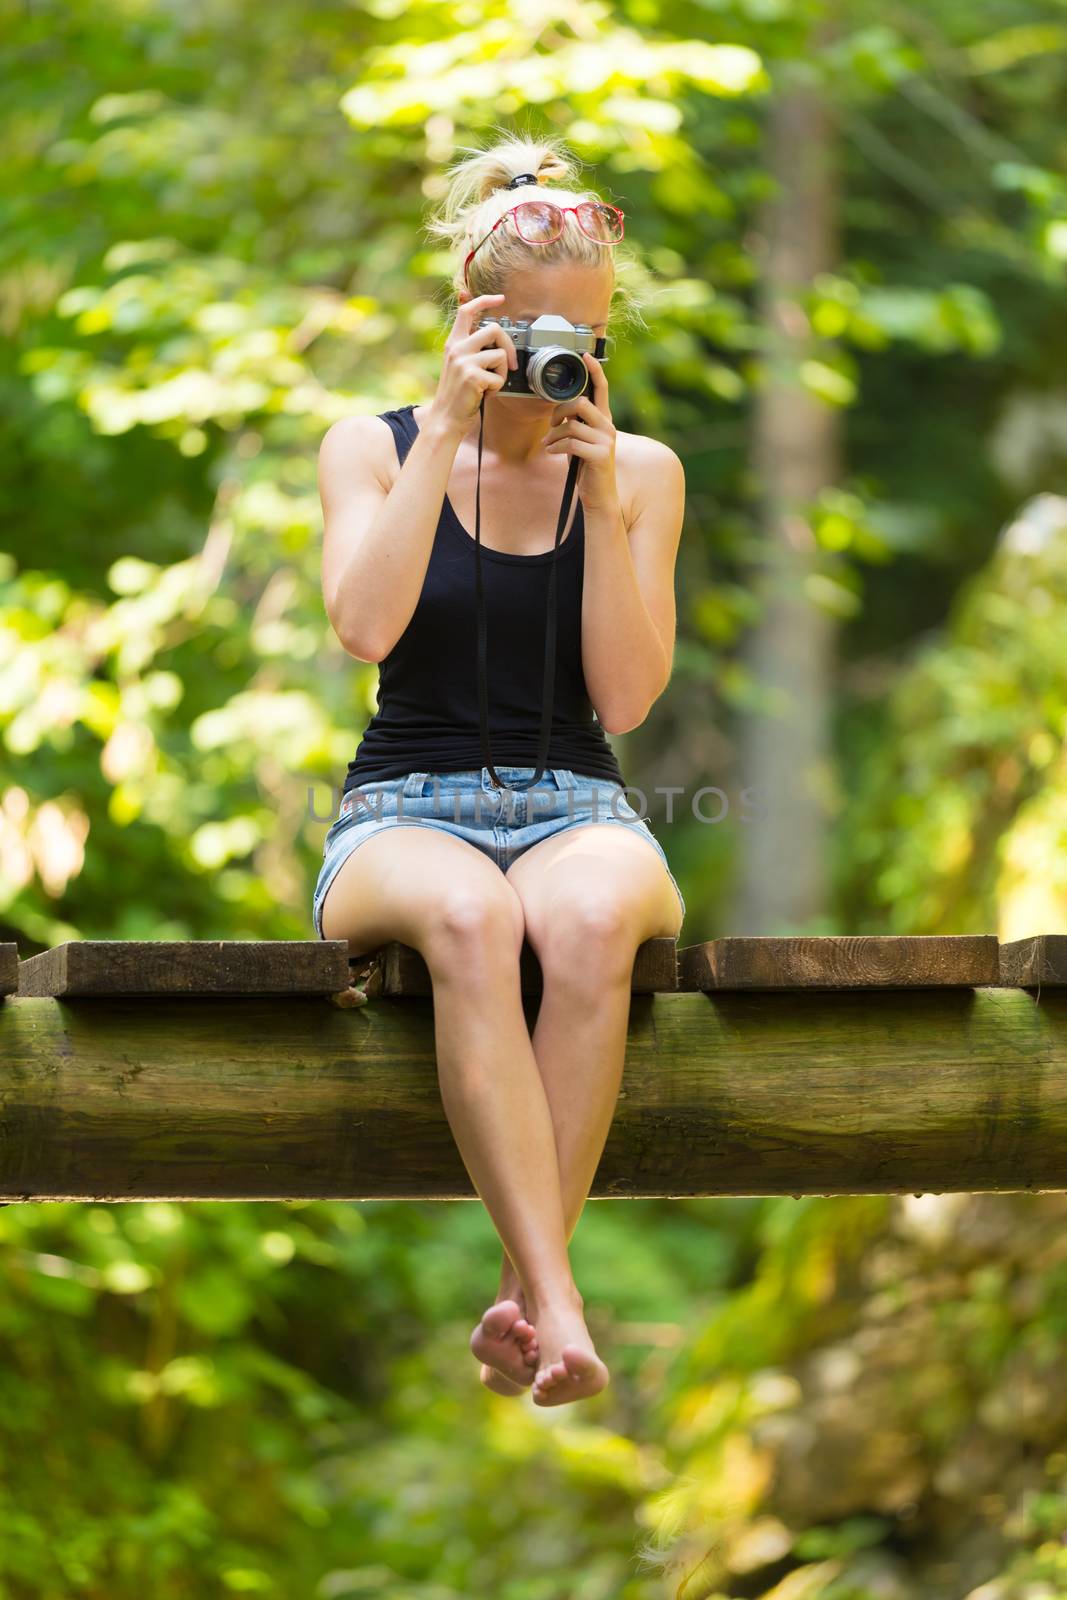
(550, 623)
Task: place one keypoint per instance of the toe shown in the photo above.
(499, 1318)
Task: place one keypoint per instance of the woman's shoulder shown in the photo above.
(640, 462)
(638, 452)
(363, 435)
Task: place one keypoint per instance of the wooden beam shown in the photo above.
(743, 1093)
(187, 966)
(9, 968)
(881, 961)
(272, 966)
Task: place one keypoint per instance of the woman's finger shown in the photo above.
(468, 314)
(493, 334)
(479, 304)
(583, 406)
(599, 380)
(577, 447)
(571, 428)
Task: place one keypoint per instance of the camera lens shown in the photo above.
(556, 374)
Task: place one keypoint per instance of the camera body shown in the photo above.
(549, 352)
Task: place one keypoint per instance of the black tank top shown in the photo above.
(427, 716)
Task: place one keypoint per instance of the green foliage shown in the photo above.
(210, 250)
(236, 263)
(961, 821)
(280, 1399)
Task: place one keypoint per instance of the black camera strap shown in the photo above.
(550, 623)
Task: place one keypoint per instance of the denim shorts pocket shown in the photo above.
(447, 786)
(367, 799)
(611, 801)
(619, 806)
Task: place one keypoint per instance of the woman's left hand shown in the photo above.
(583, 428)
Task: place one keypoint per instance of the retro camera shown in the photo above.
(549, 352)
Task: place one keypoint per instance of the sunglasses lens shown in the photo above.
(600, 222)
(537, 222)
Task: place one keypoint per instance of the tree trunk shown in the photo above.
(784, 748)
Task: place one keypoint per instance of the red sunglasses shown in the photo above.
(541, 222)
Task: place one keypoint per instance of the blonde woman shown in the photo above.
(463, 854)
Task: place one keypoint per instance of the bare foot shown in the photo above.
(499, 1384)
(490, 1376)
(569, 1368)
(508, 1346)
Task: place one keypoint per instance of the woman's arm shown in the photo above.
(377, 541)
(628, 607)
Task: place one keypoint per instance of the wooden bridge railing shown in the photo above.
(218, 1069)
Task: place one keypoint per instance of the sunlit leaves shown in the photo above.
(1001, 51)
(492, 62)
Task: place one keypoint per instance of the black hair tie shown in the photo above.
(523, 177)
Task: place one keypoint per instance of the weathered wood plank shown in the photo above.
(187, 966)
(947, 1089)
(401, 970)
(881, 961)
(317, 966)
(9, 968)
(1034, 962)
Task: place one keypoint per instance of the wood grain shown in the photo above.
(187, 966)
(840, 962)
(9, 968)
(944, 1089)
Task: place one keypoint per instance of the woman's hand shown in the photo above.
(476, 363)
(583, 428)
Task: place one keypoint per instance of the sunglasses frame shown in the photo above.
(562, 210)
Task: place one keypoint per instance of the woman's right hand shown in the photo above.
(476, 363)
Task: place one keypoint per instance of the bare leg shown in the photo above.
(581, 1053)
(444, 898)
(495, 1102)
(585, 928)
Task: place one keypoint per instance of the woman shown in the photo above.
(427, 848)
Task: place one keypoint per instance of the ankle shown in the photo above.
(510, 1283)
(554, 1299)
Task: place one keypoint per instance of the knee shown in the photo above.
(472, 929)
(589, 940)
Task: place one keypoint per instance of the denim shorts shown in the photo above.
(501, 823)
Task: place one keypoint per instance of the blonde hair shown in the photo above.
(477, 196)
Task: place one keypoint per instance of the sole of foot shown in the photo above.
(497, 1382)
(576, 1376)
(508, 1346)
